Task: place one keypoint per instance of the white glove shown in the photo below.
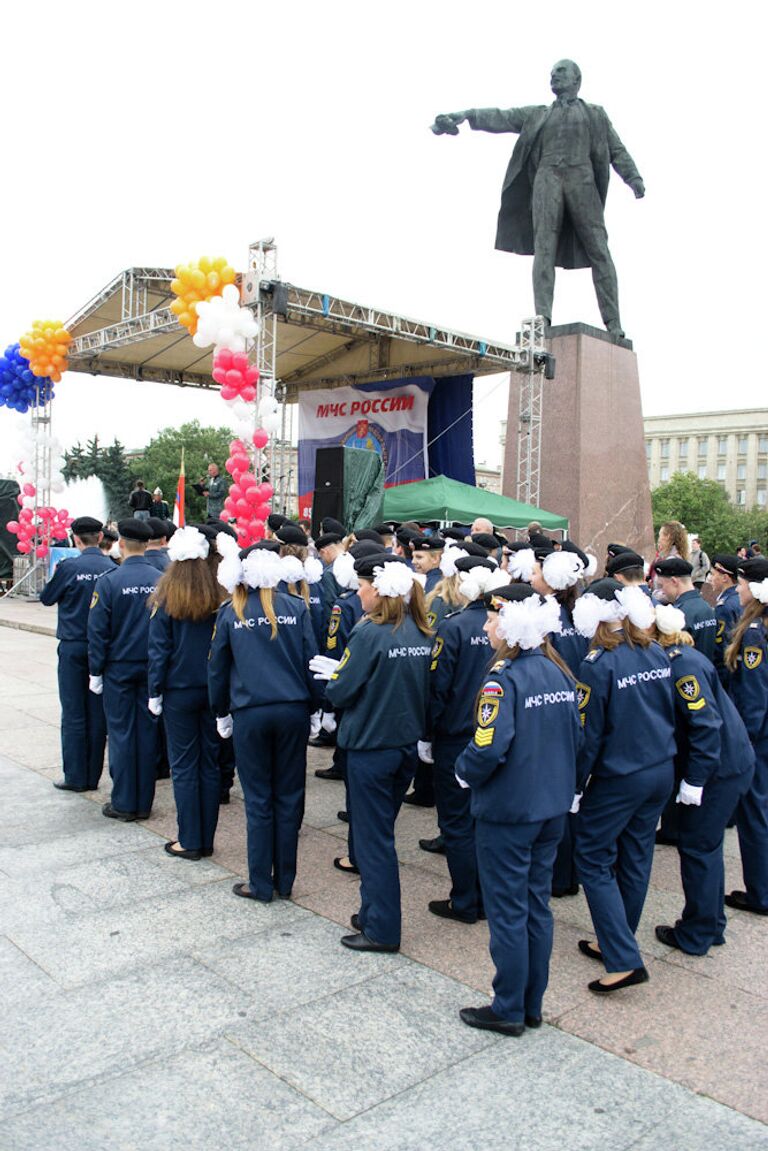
(425, 752)
(224, 726)
(328, 722)
(461, 782)
(573, 809)
(96, 684)
(689, 794)
(323, 666)
(155, 704)
(314, 724)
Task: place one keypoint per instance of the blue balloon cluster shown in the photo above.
(20, 388)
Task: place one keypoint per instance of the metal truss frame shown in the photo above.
(532, 363)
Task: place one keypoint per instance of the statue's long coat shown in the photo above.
(515, 228)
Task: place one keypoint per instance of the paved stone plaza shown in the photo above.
(145, 1008)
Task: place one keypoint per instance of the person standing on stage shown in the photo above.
(382, 685)
(140, 501)
(118, 632)
(184, 606)
(83, 727)
(746, 658)
(214, 487)
(261, 691)
(625, 769)
(714, 766)
(521, 769)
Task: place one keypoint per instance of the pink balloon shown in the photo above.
(236, 448)
(252, 376)
(12, 527)
(29, 490)
(219, 375)
(229, 465)
(243, 507)
(224, 515)
(20, 499)
(248, 480)
(227, 392)
(235, 492)
(267, 491)
(262, 511)
(25, 515)
(240, 361)
(234, 379)
(253, 495)
(24, 547)
(248, 393)
(41, 551)
(260, 438)
(257, 530)
(63, 513)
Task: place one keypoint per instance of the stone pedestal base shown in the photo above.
(593, 465)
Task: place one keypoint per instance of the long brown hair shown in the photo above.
(676, 639)
(393, 610)
(629, 634)
(240, 599)
(447, 589)
(188, 590)
(754, 610)
(678, 537)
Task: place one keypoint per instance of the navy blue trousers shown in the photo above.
(700, 833)
(752, 826)
(516, 861)
(83, 726)
(133, 736)
(564, 874)
(190, 734)
(615, 836)
(457, 826)
(271, 754)
(378, 780)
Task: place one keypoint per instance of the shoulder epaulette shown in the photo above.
(674, 652)
(594, 654)
(451, 614)
(500, 663)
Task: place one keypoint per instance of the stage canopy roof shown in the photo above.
(442, 499)
(127, 330)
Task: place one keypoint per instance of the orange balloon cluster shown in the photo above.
(46, 346)
(196, 282)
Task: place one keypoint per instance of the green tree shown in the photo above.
(703, 506)
(160, 461)
(75, 464)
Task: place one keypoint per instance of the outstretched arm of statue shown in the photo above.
(481, 119)
(623, 163)
(447, 123)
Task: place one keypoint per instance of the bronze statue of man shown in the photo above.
(554, 191)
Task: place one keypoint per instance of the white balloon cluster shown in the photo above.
(38, 444)
(269, 414)
(222, 322)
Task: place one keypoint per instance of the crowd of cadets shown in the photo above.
(552, 717)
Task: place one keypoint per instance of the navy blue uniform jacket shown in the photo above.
(249, 669)
(71, 587)
(749, 684)
(521, 763)
(118, 622)
(382, 683)
(460, 658)
(178, 652)
(569, 645)
(345, 613)
(700, 621)
(158, 557)
(625, 697)
(727, 613)
(712, 741)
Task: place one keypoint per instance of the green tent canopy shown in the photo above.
(442, 499)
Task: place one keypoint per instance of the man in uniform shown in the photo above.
(83, 728)
(676, 586)
(118, 636)
(157, 548)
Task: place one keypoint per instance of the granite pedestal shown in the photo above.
(593, 465)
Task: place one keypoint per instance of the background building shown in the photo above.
(730, 447)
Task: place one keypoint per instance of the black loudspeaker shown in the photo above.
(328, 499)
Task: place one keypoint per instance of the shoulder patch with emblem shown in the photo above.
(720, 631)
(333, 626)
(583, 692)
(753, 657)
(344, 659)
(690, 689)
(437, 647)
(431, 618)
(94, 599)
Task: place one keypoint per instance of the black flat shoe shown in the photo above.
(533, 1021)
(123, 816)
(435, 846)
(663, 840)
(589, 949)
(328, 773)
(182, 853)
(224, 799)
(62, 785)
(342, 816)
(241, 890)
(487, 1020)
(666, 935)
(639, 975)
(445, 910)
(207, 852)
(355, 922)
(143, 814)
(739, 901)
(349, 868)
(414, 800)
(561, 892)
(361, 942)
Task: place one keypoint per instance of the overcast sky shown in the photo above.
(153, 134)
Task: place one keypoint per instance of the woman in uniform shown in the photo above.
(262, 692)
(381, 683)
(626, 768)
(746, 658)
(521, 768)
(184, 606)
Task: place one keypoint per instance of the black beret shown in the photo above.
(486, 540)
(727, 562)
(617, 549)
(428, 544)
(513, 592)
(109, 535)
(453, 534)
(371, 535)
(158, 528)
(405, 535)
(329, 525)
(754, 570)
(208, 530)
(542, 552)
(366, 566)
(466, 563)
(133, 529)
(473, 549)
(275, 521)
(605, 588)
(326, 540)
(221, 526)
(384, 529)
(623, 561)
(365, 548)
(570, 546)
(674, 566)
(290, 533)
(261, 546)
(86, 525)
(518, 546)
(539, 540)
(170, 529)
